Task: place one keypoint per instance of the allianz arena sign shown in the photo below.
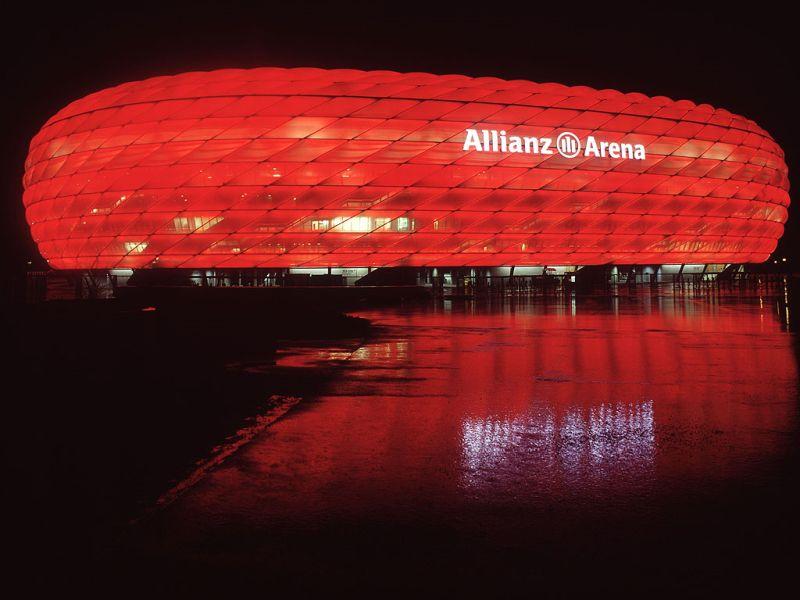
(287, 168)
(567, 144)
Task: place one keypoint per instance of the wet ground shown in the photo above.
(643, 444)
(608, 445)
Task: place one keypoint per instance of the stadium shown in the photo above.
(344, 171)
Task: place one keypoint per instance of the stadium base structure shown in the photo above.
(395, 284)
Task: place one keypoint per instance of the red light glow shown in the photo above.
(317, 168)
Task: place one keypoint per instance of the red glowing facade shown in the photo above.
(342, 168)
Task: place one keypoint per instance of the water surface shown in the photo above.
(517, 439)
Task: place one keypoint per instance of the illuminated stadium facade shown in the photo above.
(308, 168)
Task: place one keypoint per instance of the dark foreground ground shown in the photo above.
(645, 444)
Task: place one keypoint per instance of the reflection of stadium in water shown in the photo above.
(592, 443)
(525, 405)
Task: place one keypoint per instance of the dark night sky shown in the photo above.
(721, 55)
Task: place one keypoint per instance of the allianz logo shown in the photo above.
(567, 144)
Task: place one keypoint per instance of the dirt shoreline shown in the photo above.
(121, 399)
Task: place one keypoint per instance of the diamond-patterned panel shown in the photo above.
(309, 167)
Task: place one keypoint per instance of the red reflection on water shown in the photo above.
(526, 405)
